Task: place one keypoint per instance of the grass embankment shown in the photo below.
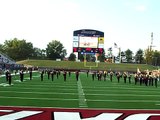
(80, 65)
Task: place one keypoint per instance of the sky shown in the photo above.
(128, 23)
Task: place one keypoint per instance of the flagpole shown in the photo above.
(115, 45)
(119, 55)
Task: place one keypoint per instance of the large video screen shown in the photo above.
(88, 42)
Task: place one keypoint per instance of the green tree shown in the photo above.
(128, 54)
(72, 57)
(156, 58)
(55, 50)
(2, 48)
(39, 53)
(102, 57)
(18, 49)
(148, 55)
(81, 57)
(139, 56)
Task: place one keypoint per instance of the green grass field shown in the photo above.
(82, 94)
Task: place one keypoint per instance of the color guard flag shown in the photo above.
(138, 71)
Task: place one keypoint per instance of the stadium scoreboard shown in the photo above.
(88, 41)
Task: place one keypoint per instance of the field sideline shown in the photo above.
(85, 93)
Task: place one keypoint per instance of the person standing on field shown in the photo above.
(77, 75)
(125, 77)
(9, 78)
(111, 75)
(118, 76)
(21, 75)
(42, 72)
(52, 75)
(64, 75)
(7, 72)
(30, 73)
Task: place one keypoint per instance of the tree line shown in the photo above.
(21, 49)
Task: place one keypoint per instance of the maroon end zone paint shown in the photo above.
(12, 113)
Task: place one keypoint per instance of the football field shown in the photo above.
(84, 93)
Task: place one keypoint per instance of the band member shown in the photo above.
(125, 77)
(30, 74)
(69, 73)
(7, 72)
(129, 78)
(141, 78)
(93, 75)
(21, 75)
(57, 73)
(48, 73)
(9, 78)
(118, 76)
(135, 78)
(99, 75)
(156, 79)
(42, 72)
(104, 74)
(52, 75)
(77, 75)
(64, 75)
(111, 76)
(87, 72)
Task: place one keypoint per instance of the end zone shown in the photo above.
(27, 113)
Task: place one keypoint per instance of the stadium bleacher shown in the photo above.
(6, 62)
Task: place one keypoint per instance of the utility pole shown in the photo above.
(151, 45)
(151, 41)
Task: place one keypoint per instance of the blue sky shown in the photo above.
(128, 23)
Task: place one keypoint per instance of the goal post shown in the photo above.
(90, 60)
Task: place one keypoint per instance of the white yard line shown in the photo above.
(81, 95)
(107, 90)
(89, 94)
(48, 99)
(44, 88)
(120, 88)
(124, 101)
(46, 93)
(55, 86)
(82, 102)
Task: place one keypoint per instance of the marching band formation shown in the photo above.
(147, 78)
